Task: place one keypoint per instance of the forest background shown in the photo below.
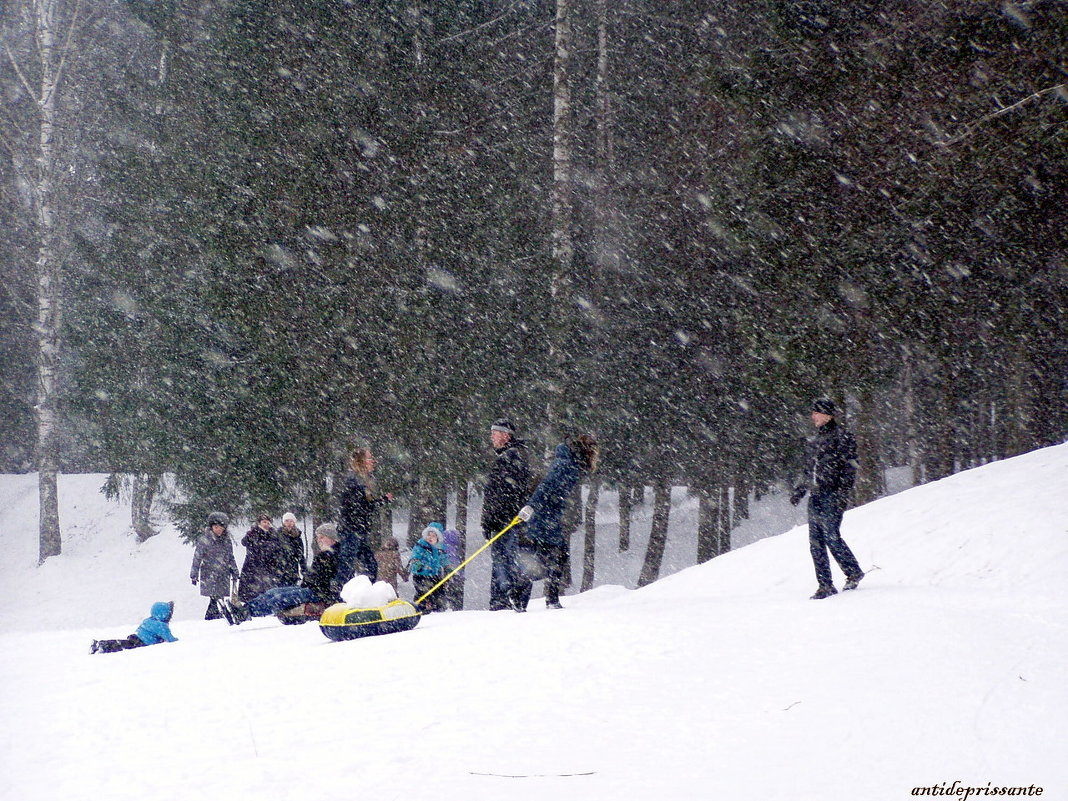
(242, 236)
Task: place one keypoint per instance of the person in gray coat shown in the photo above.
(214, 566)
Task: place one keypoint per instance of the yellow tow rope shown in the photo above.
(466, 561)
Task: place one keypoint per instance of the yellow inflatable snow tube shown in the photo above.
(343, 622)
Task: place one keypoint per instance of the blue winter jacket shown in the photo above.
(550, 498)
(154, 629)
(427, 560)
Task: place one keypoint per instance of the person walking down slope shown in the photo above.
(265, 558)
(545, 509)
(214, 567)
(830, 472)
(153, 630)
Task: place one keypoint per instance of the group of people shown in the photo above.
(275, 575)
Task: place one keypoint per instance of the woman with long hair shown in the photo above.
(359, 501)
(573, 458)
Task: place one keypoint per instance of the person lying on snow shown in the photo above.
(318, 584)
(153, 630)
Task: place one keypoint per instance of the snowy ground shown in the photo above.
(720, 681)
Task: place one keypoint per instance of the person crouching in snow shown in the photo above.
(214, 566)
(427, 564)
(318, 584)
(153, 630)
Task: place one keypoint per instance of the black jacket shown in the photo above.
(356, 510)
(293, 565)
(214, 564)
(830, 461)
(320, 577)
(507, 487)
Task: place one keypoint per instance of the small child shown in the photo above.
(428, 566)
(390, 567)
(152, 631)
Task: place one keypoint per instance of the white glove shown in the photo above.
(526, 513)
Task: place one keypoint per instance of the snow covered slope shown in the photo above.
(722, 681)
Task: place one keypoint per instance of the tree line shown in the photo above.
(282, 228)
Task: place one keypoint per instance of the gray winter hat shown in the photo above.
(328, 530)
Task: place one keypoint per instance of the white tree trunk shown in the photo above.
(563, 248)
(48, 285)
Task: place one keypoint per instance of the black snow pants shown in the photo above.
(825, 512)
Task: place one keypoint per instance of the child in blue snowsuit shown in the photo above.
(153, 630)
(427, 566)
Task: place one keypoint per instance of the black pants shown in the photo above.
(214, 610)
(435, 603)
(553, 555)
(111, 646)
(825, 512)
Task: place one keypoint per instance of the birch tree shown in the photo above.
(40, 77)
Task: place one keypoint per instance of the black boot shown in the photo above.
(824, 591)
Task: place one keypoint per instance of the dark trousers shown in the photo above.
(553, 555)
(111, 646)
(214, 611)
(355, 556)
(503, 578)
(825, 512)
(422, 584)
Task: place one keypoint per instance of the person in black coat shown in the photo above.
(503, 496)
(830, 472)
(545, 509)
(358, 506)
(265, 558)
(296, 558)
(214, 566)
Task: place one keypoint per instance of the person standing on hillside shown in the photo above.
(573, 458)
(214, 566)
(358, 503)
(503, 495)
(265, 558)
(830, 472)
(292, 538)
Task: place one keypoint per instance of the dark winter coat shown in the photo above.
(550, 498)
(265, 559)
(357, 505)
(214, 564)
(320, 579)
(293, 566)
(830, 465)
(506, 487)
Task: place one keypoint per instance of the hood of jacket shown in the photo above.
(163, 610)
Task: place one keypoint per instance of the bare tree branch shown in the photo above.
(970, 127)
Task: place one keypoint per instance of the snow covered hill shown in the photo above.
(721, 681)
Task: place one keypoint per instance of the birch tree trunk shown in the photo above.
(48, 284)
(462, 492)
(563, 248)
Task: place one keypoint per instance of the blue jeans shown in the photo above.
(355, 556)
(503, 577)
(274, 601)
